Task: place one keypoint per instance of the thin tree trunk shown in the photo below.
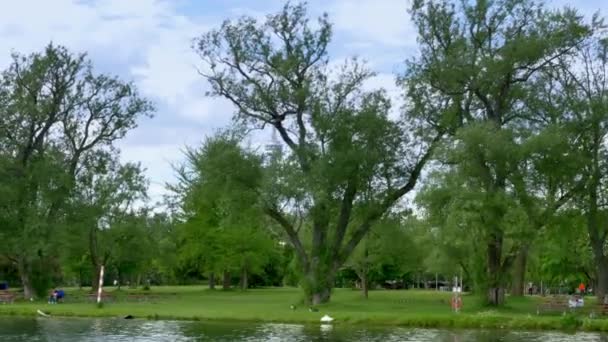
(95, 283)
(24, 274)
(519, 271)
(226, 281)
(212, 281)
(120, 278)
(436, 282)
(94, 257)
(365, 286)
(244, 282)
(596, 235)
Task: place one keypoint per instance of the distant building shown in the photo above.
(274, 147)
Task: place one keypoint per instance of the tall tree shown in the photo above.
(55, 112)
(345, 158)
(481, 57)
(582, 85)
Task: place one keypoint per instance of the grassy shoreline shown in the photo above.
(422, 309)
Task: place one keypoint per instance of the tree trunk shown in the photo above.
(226, 281)
(496, 296)
(94, 257)
(601, 262)
(321, 296)
(602, 280)
(436, 282)
(244, 282)
(26, 282)
(496, 290)
(318, 283)
(596, 236)
(212, 281)
(320, 288)
(365, 286)
(120, 277)
(519, 272)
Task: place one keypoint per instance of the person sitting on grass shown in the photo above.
(53, 297)
(60, 295)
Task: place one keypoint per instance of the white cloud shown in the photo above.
(387, 82)
(168, 68)
(374, 22)
(156, 159)
(115, 28)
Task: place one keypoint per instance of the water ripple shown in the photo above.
(114, 330)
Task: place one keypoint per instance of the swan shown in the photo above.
(326, 319)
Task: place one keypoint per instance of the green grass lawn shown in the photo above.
(404, 308)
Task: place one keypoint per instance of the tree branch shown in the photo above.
(291, 233)
(345, 212)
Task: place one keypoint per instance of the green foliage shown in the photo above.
(391, 243)
(223, 227)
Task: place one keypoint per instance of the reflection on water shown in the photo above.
(50, 329)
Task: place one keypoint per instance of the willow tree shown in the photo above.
(346, 162)
(483, 56)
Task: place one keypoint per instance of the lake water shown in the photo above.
(51, 329)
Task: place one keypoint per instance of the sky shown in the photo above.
(148, 42)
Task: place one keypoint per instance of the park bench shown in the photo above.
(7, 297)
(139, 297)
(553, 304)
(601, 309)
(105, 297)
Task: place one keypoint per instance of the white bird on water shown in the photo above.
(326, 319)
